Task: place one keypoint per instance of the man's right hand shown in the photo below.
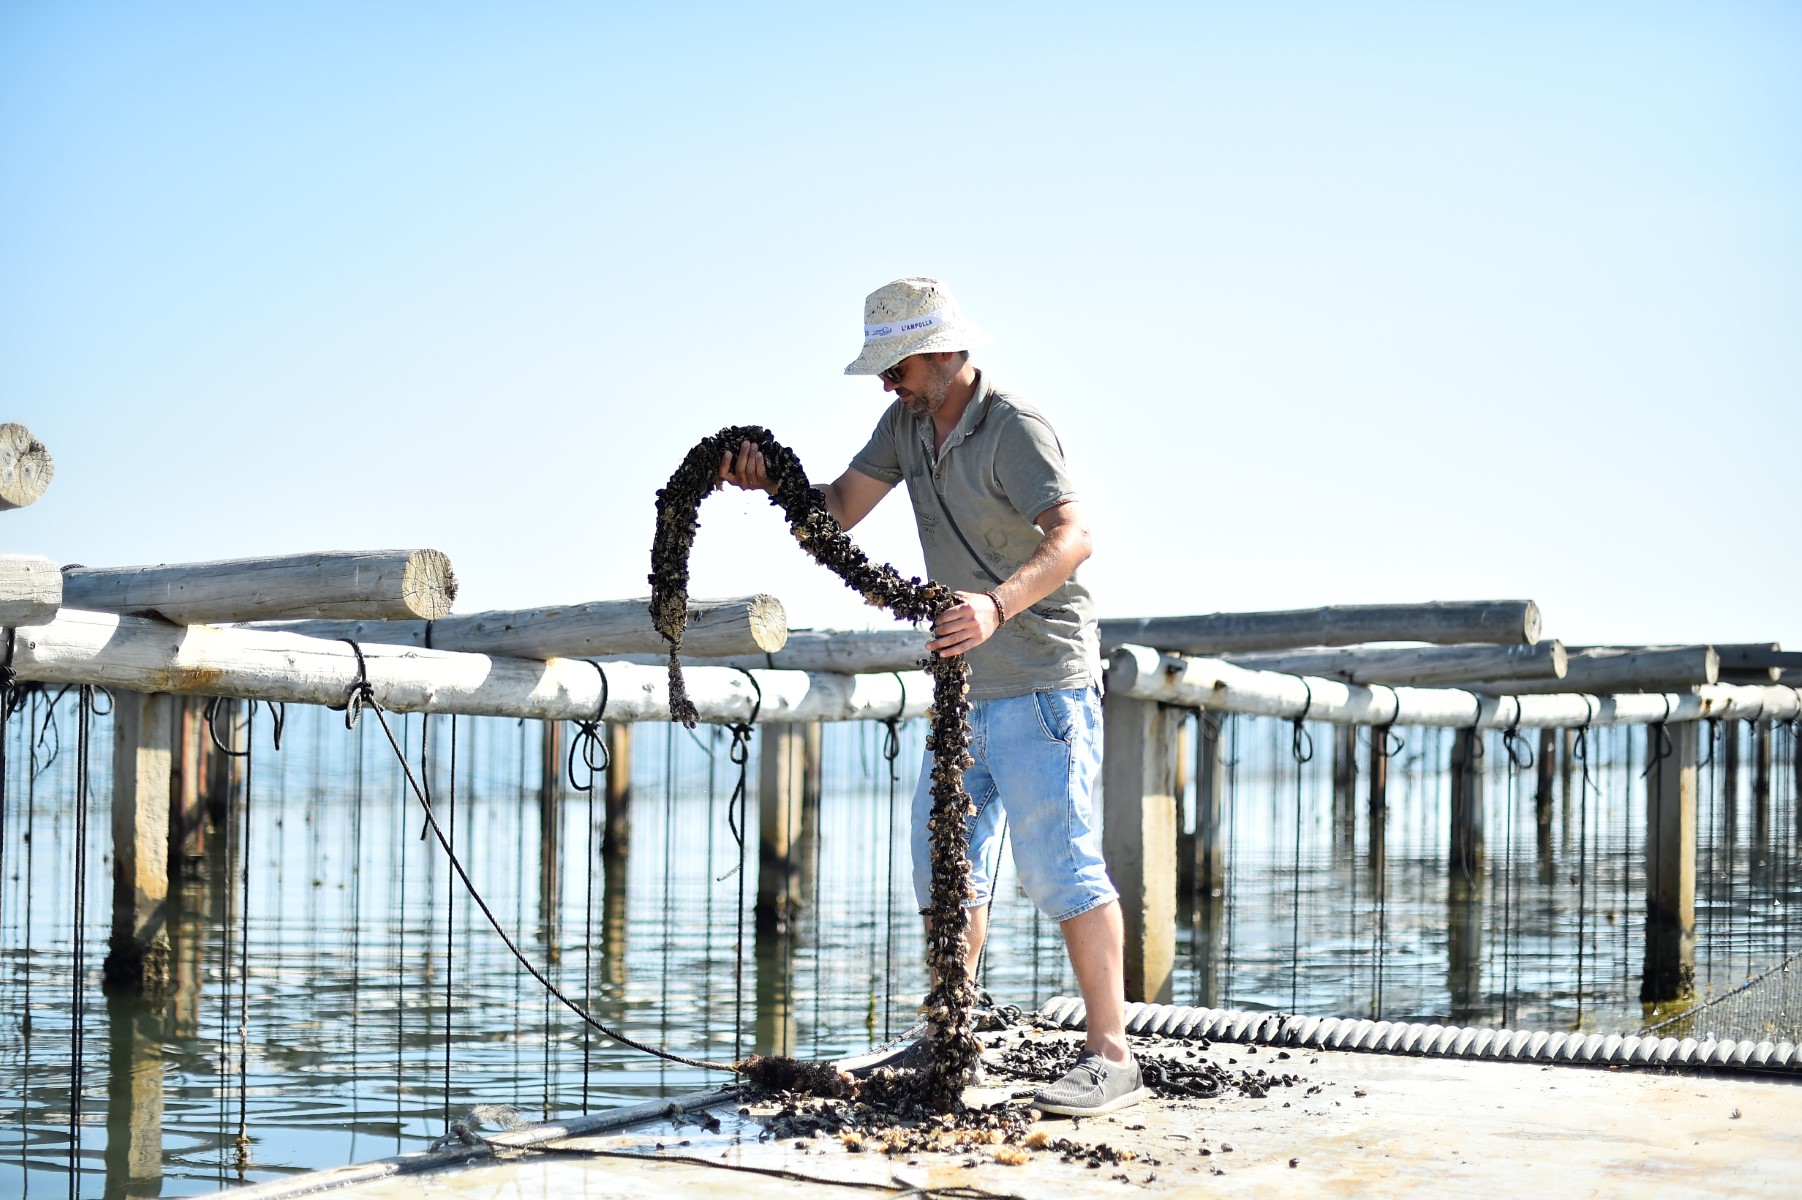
(748, 470)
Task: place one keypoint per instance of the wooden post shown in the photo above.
(1138, 834)
(1467, 803)
(813, 757)
(1185, 841)
(618, 837)
(1730, 777)
(134, 1095)
(781, 784)
(1546, 766)
(31, 589)
(143, 737)
(1670, 972)
(1506, 622)
(550, 833)
(1210, 787)
(1567, 747)
(1345, 783)
(187, 812)
(1378, 815)
(1761, 789)
(216, 767)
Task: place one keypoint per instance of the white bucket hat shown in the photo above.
(912, 316)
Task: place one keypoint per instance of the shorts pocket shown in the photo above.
(1057, 715)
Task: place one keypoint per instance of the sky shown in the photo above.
(1328, 303)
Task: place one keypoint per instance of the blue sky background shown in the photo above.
(1329, 303)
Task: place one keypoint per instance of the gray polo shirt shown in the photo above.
(1001, 467)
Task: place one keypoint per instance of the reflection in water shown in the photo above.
(1329, 897)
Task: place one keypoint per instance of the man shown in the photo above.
(999, 520)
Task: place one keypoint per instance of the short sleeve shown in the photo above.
(880, 458)
(1029, 465)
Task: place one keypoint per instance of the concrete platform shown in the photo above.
(1353, 1124)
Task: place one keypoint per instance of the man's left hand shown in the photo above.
(965, 625)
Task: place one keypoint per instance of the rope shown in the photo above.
(1301, 757)
(588, 745)
(739, 753)
(242, 1142)
(360, 688)
(78, 990)
(450, 906)
(891, 751)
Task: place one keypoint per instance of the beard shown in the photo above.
(930, 398)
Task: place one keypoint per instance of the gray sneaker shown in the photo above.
(1092, 1087)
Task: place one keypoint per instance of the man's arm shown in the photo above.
(849, 498)
(1067, 545)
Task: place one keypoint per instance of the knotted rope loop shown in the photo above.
(739, 752)
(360, 693)
(891, 742)
(1520, 753)
(589, 745)
(1301, 742)
(1661, 746)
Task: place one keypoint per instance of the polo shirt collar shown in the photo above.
(966, 424)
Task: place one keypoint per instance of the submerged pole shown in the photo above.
(781, 787)
(143, 744)
(1467, 803)
(1670, 971)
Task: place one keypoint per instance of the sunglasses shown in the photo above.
(893, 374)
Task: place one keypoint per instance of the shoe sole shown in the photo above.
(1114, 1105)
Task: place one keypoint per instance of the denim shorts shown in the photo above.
(1036, 760)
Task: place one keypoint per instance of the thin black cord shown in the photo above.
(361, 696)
(243, 1139)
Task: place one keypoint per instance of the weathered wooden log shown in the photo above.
(1218, 686)
(1415, 665)
(383, 584)
(747, 625)
(1499, 622)
(1599, 669)
(31, 590)
(25, 467)
(844, 651)
(142, 655)
(1759, 663)
(144, 729)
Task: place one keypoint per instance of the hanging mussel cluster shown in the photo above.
(947, 1009)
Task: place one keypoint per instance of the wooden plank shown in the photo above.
(31, 590)
(618, 839)
(1609, 669)
(138, 654)
(1501, 622)
(25, 467)
(1218, 686)
(1138, 837)
(381, 584)
(740, 625)
(1414, 665)
(1670, 972)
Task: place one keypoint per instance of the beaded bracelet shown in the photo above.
(1000, 608)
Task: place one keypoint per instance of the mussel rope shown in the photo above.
(947, 1009)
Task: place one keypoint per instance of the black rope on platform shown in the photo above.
(242, 1142)
(450, 908)
(1520, 757)
(1302, 738)
(1659, 747)
(215, 704)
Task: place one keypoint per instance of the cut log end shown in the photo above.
(428, 585)
(769, 623)
(1532, 624)
(25, 467)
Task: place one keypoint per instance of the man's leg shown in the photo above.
(978, 916)
(1097, 944)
